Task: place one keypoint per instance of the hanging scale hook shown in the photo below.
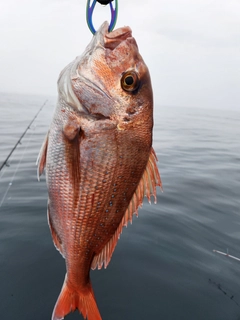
(89, 13)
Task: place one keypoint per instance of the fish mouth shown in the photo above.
(111, 40)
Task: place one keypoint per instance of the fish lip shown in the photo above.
(111, 40)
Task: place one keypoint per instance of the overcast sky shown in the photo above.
(192, 47)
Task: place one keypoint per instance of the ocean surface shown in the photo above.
(164, 266)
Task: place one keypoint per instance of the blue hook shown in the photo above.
(89, 13)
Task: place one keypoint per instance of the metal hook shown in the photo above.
(89, 13)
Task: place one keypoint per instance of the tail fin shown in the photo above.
(70, 299)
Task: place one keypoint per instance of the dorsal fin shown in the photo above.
(41, 160)
(146, 187)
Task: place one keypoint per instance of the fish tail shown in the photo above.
(71, 299)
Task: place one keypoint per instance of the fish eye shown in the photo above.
(130, 81)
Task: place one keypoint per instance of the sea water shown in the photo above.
(163, 266)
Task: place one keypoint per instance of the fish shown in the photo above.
(99, 160)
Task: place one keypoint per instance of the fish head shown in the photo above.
(111, 80)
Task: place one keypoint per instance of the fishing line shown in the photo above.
(4, 168)
(5, 164)
(16, 170)
(19, 140)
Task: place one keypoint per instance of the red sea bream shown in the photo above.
(99, 159)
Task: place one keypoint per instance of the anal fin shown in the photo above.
(56, 239)
(146, 187)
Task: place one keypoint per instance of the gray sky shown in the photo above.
(192, 47)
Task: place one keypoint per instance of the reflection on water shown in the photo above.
(163, 266)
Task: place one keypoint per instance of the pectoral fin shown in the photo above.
(41, 160)
(146, 187)
(72, 126)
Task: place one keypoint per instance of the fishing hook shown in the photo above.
(89, 13)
